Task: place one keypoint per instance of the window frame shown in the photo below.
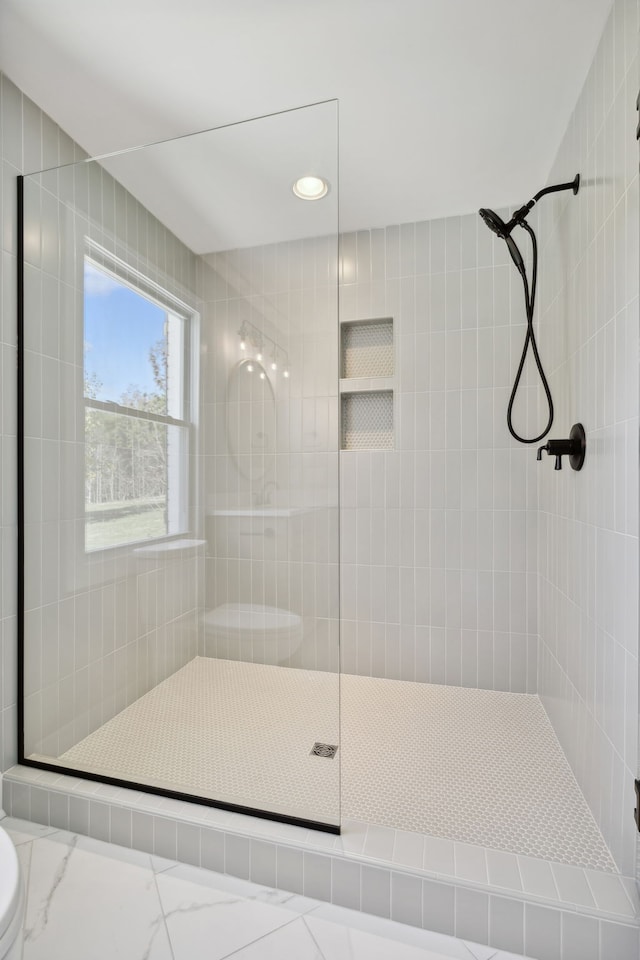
(178, 478)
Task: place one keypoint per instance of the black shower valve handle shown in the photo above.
(550, 451)
(573, 447)
(559, 449)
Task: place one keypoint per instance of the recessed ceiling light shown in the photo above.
(311, 188)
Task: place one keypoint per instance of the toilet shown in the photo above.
(11, 900)
(252, 632)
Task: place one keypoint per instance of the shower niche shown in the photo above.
(167, 638)
(366, 384)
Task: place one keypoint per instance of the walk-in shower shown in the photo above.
(182, 418)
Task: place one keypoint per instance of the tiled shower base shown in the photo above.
(469, 765)
(462, 884)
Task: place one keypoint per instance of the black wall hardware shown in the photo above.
(636, 815)
(504, 231)
(573, 447)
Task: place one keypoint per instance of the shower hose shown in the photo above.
(530, 339)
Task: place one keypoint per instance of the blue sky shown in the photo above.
(119, 328)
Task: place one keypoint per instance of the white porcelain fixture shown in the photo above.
(11, 900)
(253, 632)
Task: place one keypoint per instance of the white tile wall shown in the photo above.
(11, 155)
(288, 294)
(437, 534)
(588, 521)
(97, 634)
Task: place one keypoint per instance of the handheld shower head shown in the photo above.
(516, 256)
(503, 230)
(494, 222)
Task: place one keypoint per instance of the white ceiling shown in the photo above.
(445, 105)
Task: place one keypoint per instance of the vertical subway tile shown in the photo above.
(579, 937)
(39, 805)
(471, 915)
(142, 831)
(619, 941)
(237, 855)
(212, 850)
(99, 820)
(317, 876)
(438, 907)
(59, 810)
(21, 801)
(542, 937)
(345, 883)
(121, 826)
(406, 899)
(188, 843)
(165, 838)
(263, 863)
(506, 924)
(289, 869)
(79, 815)
(376, 891)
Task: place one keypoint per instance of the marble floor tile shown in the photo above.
(83, 904)
(480, 952)
(292, 940)
(391, 930)
(243, 889)
(348, 943)
(24, 831)
(24, 856)
(206, 923)
(311, 939)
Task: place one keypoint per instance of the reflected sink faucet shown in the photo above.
(263, 497)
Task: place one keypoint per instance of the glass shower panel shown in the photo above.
(179, 453)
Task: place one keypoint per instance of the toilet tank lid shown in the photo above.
(9, 881)
(251, 616)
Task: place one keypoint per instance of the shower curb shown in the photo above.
(338, 869)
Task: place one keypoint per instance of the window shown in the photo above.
(135, 407)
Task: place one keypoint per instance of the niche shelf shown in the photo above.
(367, 420)
(366, 384)
(366, 348)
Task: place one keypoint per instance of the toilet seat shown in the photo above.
(11, 898)
(235, 620)
(253, 632)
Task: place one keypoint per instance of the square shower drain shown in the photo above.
(324, 750)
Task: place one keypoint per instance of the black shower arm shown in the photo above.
(520, 214)
(573, 185)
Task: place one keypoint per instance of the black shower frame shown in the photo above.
(55, 767)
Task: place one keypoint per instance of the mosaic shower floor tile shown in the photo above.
(476, 766)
